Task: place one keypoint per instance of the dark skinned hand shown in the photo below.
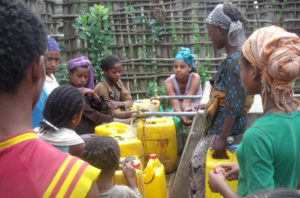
(219, 148)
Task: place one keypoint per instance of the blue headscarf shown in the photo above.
(185, 56)
(52, 44)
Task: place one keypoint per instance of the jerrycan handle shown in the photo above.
(149, 173)
(228, 154)
(119, 137)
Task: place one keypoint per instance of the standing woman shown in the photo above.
(225, 113)
(184, 81)
(268, 156)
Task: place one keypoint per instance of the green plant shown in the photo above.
(94, 29)
(62, 74)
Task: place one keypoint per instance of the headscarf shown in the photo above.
(52, 44)
(236, 35)
(83, 61)
(277, 53)
(186, 56)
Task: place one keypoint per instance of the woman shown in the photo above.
(269, 153)
(184, 81)
(225, 113)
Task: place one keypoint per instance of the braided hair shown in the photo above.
(61, 105)
(102, 152)
(109, 61)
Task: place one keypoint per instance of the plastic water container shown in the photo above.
(120, 179)
(155, 179)
(158, 136)
(211, 163)
(129, 144)
(146, 105)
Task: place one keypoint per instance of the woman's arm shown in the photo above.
(169, 87)
(194, 86)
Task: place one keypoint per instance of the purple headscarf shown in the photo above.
(83, 61)
(52, 44)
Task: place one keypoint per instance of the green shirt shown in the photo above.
(269, 155)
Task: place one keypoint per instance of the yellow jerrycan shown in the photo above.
(158, 136)
(155, 179)
(120, 179)
(146, 105)
(211, 163)
(128, 142)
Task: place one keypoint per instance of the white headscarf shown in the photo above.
(236, 35)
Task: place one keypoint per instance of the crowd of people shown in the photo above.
(47, 146)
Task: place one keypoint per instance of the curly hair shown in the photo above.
(109, 61)
(234, 13)
(22, 40)
(61, 105)
(102, 152)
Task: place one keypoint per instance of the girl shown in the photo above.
(268, 155)
(81, 76)
(225, 114)
(184, 81)
(62, 113)
(112, 89)
(51, 61)
(104, 152)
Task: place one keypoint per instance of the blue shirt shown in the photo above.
(227, 79)
(37, 113)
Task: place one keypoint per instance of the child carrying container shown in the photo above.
(112, 89)
(62, 113)
(104, 152)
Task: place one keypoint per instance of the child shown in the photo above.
(268, 155)
(30, 167)
(62, 113)
(51, 61)
(184, 81)
(82, 76)
(104, 152)
(112, 89)
(51, 58)
(225, 114)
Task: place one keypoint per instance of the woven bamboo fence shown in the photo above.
(182, 22)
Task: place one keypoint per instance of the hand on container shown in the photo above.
(219, 148)
(129, 173)
(124, 121)
(87, 91)
(231, 171)
(216, 180)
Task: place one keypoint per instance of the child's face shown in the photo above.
(114, 74)
(217, 35)
(181, 69)
(79, 77)
(51, 59)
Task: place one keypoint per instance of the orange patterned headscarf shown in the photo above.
(277, 53)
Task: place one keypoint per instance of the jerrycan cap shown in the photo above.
(153, 156)
(154, 103)
(136, 164)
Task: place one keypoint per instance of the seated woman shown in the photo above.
(184, 81)
(112, 89)
(81, 76)
(62, 113)
(268, 155)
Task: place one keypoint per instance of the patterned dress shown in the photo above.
(227, 79)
